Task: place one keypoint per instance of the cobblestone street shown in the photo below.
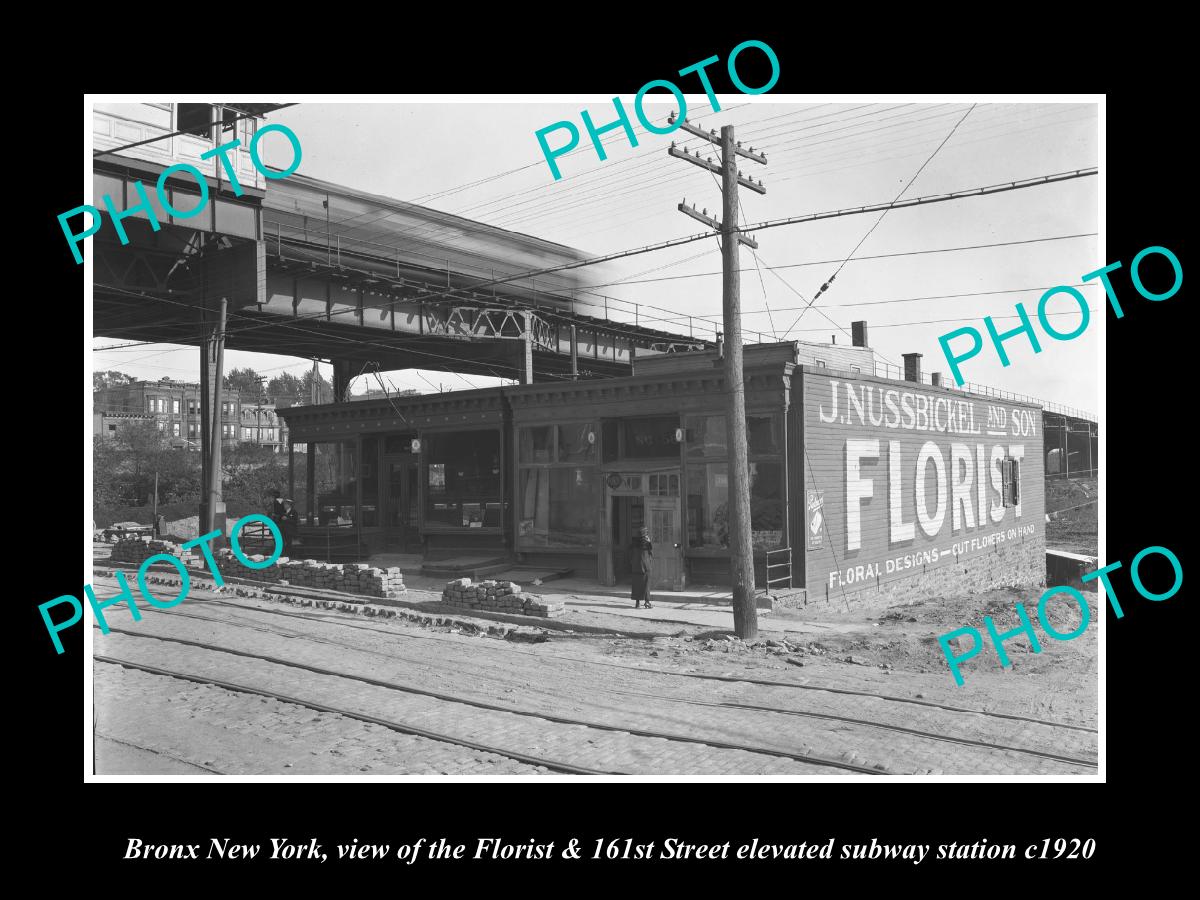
(239, 685)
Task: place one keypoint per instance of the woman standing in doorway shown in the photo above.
(641, 557)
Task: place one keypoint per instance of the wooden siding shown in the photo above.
(903, 417)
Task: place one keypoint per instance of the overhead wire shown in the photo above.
(653, 195)
(825, 286)
(809, 217)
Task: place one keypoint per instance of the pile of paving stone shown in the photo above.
(355, 578)
(499, 596)
(228, 564)
(137, 549)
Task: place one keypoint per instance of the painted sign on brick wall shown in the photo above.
(915, 477)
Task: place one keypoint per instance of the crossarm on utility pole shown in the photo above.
(715, 225)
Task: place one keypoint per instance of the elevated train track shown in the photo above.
(366, 282)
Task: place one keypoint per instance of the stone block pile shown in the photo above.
(136, 550)
(228, 564)
(499, 596)
(355, 578)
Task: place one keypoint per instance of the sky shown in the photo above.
(482, 161)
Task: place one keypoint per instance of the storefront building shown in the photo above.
(859, 480)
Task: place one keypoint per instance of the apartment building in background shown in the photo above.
(173, 405)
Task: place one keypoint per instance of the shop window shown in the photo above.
(663, 485)
(707, 437)
(650, 438)
(708, 505)
(558, 507)
(464, 487)
(335, 474)
(195, 118)
(762, 434)
(576, 443)
(610, 449)
(298, 490)
(536, 444)
(1010, 473)
(766, 505)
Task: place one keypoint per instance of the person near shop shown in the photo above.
(643, 554)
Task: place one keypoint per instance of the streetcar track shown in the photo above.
(400, 727)
(651, 670)
(165, 755)
(480, 704)
(725, 704)
(730, 679)
(929, 735)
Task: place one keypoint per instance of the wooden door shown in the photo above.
(401, 515)
(663, 520)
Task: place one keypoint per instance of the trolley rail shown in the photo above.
(564, 720)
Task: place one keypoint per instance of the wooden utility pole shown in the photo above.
(741, 543)
(212, 507)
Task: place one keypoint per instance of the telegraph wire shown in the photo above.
(983, 191)
(606, 172)
(987, 190)
(822, 262)
(654, 194)
(908, 184)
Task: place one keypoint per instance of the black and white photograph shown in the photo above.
(678, 435)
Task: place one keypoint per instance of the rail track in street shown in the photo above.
(837, 721)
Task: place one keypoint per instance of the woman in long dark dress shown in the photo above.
(641, 557)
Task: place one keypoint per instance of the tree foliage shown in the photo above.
(110, 378)
(286, 385)
(324, 388)
(125, 465)
(245, 382)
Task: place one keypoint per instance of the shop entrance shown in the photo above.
(650, 500)
(628, 515)
(400, 516)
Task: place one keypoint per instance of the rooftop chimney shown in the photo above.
(912, 366)
(833, 339)
(935, 379)
(858, 332)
